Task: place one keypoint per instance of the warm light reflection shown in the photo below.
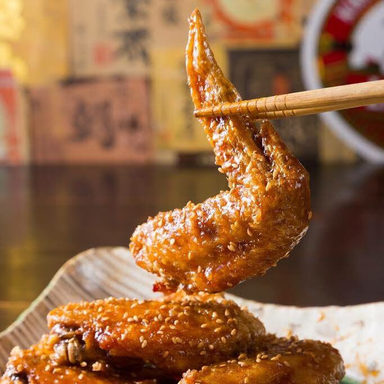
(24, 47)
(12, 25)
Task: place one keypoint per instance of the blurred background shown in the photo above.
(103, 81)
(97, 132)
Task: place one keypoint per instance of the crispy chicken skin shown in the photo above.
(282, 361)
(33, 366)
(242, 232)
(175, 335)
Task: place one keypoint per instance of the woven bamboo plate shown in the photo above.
(102, 272)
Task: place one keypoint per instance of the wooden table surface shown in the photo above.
(49, 214)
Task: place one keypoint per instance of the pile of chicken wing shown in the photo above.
(199, 338)
(193, 335)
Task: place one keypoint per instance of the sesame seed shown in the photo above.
(172, 241)
(202, 353)
(223, 339)
(141, 339)
(233, 332)
(219, 321)
(214, 315)
(165, 354)
(145, 342)
(199, 269)
(229, 284)
(275, 173)
(83, 364)
(203, 325)
(249, 232)
(97, 366)
(200, 345)
(217, 330)
(176, 340)
(246, 380)
(310, 214)
(81, 376)
(227, 313)
(286, 363)
(231, 246)
(211, 347)
(242, 356)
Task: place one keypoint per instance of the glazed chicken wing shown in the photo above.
(244, 231)
(34, 366)
(170, 335)
(281, 361)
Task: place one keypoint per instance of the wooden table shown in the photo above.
(49, 214)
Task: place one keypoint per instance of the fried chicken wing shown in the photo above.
(239, 233)
(172, 335)
(34, 366)
(281, 361)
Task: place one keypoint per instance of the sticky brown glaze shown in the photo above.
(34, 366)
(239, 233)
(283, 361)
(172, 335)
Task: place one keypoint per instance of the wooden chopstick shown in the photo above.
(298, 112)
(302, 103)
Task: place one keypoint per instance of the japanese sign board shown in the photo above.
(255, 22)
(110, 37)
(89, 122)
